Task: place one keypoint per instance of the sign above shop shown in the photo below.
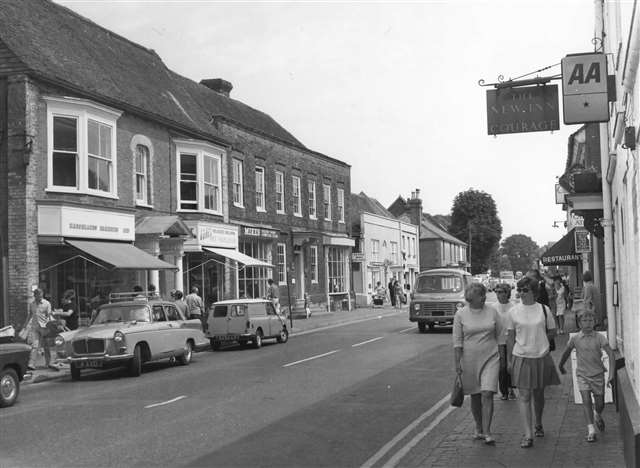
(522, 109)
(77, 222)
(260, 232)
(357, 257)
(583, 241)
(211, 235)
(584, 88)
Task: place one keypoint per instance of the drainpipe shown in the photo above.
(606, 222)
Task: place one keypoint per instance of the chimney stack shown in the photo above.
(218, 85)
(414, 208)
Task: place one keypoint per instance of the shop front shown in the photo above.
(337, 251)
(562, 256)
(90, 252)
(259, 243)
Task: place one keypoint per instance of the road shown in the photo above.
(336, 397)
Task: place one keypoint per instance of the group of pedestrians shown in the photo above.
(509, 346)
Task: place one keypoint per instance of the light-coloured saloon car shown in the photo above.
(245, 320)
(130, 333)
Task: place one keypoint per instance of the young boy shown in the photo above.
(590, 370)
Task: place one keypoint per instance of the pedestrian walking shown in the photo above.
(273, 294)
(503, 292)
(530, 325)
(181, 305)
(477, 333)
(397, 292)
(38, 317)
(392, 292)
(591, 300)
(562, 296)
(542, 296)
(590, 370)
(69, 310)
(195, 306)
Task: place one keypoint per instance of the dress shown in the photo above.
(479, 332)
(561, 301)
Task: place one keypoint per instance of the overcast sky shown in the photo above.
(390, 88)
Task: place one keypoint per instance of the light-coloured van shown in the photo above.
(437, 295)
(244, 321)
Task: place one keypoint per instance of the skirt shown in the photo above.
(534, 372)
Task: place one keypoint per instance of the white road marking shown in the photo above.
(311, 358)
(368, 341)
(181, 397)
(407, 329)
(403, 433)
(342, 324)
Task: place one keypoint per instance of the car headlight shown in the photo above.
(59, 341)
(118, 337)
(416, 306)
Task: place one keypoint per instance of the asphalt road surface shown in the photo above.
(344, 396)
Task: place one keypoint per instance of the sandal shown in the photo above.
(526, 442)
(591, 437)
(539, 432)
(489, 440)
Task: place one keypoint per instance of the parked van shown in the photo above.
(244, 321)
(437, 295)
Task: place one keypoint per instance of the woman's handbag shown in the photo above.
(457, 395)
(552, 341)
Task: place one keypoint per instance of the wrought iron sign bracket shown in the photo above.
(516, 82)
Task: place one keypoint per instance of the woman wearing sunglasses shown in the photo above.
(530, 364)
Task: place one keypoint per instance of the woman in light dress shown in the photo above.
(561, 301)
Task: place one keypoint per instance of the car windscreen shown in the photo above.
(439, 284)
(122, 314)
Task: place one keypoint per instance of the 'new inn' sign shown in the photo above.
(522, 109)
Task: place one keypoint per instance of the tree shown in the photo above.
(499, 262)
(521, 250)
(474, 219)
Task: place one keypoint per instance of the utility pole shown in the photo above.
(469, 242)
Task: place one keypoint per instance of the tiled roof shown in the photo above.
(430, 229)
(362, 203)
(59, 45)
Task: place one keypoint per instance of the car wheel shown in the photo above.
(422, 327)
(257, 340)
(283, 336)
(135, 366)
(432, 326)
(75, 372)
(9, 387)
(187, 354)
(215, 344)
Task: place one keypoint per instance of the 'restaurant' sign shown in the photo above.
(584, 88)
(522, 110)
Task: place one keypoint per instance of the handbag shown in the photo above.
(552, 341)
(457, 395)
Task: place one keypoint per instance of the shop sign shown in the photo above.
(575, 221)
(357, 257)
(212, 235)
(260, 232)
(584, 88)
(72, 221)
(583, 241)
(522, 110)
(560, 193)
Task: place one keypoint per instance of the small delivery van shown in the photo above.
(437, 295)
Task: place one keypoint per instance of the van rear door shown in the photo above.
(218, 323)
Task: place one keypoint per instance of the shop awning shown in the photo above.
(121, 255)
(238, 257)
(562, 252)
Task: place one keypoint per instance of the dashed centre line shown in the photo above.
(311, 358)
(407, 329)
(368, 341)
(173, 400)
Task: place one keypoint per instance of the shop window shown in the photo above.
(199, 169)
(279, 192)
(313, 263)
(311, 185)
(238, 196)
(260, 198)
(341, 205)
(326, 199)
(336, 270)
(81, 146)
(295, 196)
(282, 264)
(252, 281)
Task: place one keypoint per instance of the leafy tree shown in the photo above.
(474, 217)
(499, 262)
(521, 250)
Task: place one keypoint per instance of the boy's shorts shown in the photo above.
(594, 384)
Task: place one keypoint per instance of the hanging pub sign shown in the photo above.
(584, 88)
(522, 110)
(583, 241)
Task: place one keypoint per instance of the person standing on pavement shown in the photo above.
(477, 333)
(273, 294)
(68, 310)
(529, 326)
(392, 293)
(180, 304)
(38, 317)
(590, 370)
(591, 299)
(562, 295)
(397, 291)
(503, 293)
(195, 306)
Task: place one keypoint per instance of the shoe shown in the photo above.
(512, 395)
(488, 440)
(504, 397)
(478, 436)
(591, 437)
(599, 422)
(539, 432)
(526, 442)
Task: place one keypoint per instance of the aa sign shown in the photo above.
(584, 88)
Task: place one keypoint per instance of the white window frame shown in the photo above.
(280, 192)
(237, 182)
(375, 250)
(326, 201)
(281, 252)
(394, 252)
(341, 205)
(296, 195)
(260, 195)
(313, 263)
(311, 188)
(141, 140)
(201, 150)
(142, 173)
(82, 111)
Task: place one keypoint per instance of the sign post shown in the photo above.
(584, 88)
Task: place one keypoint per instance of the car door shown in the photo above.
(219, 320)
(159, 336)
(274, 319)
(177, 333)
(237, 324)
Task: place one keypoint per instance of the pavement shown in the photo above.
(564, 444)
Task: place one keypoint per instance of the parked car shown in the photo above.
(14, 358)
(130, 333)
(244, 321)
(436, 297)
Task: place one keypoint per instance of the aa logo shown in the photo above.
(578, 75)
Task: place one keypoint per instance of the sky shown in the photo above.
(391, 88)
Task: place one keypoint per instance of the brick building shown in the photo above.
(116, 171)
